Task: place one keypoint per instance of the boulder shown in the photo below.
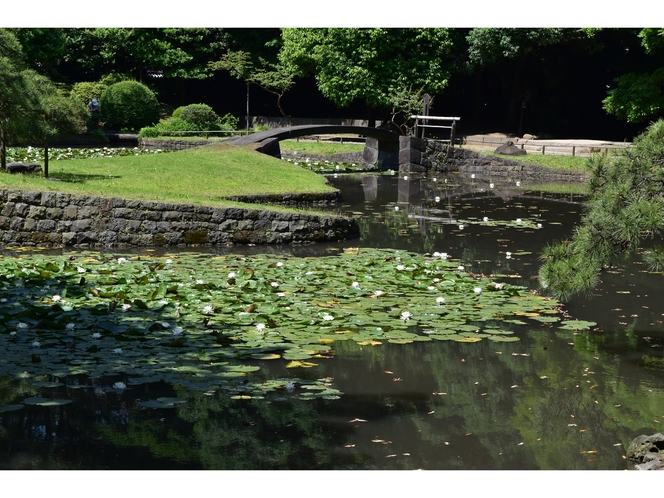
(18, 167)
(509, 149)
(647, 452)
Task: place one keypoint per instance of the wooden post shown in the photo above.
(573, 150)
(452, 133)
(543, 147)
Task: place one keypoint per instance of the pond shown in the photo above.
(535, 395)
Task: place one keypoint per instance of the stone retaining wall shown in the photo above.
(52, 219)
(418, 155)
(151, 143)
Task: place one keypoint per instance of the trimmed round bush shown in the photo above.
(200, 115)
(129, 104)
(178, 112)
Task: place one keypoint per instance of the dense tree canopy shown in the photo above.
(640, 96)
(370, 64)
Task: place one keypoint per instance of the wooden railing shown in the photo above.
(422, 123)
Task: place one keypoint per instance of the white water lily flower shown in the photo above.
(274, 284)
(169, 261)
(260, 327)
(443, 255)
(499, 286)
(401, 267)
(539, 225)
(378, 293)
(472, 175)
(70, 326)
(355, 285)
(477, 290)
(289, 386)
(96, 335)
(280, 263)
(440, 300)
(437, 199)
(56, 298)
(405, 316)
(460, 227)
(518, 184)
(12, 333)
(436, 280)
(21, 325)
(122, 260)
(80, 270)
(232, 274)
(207, 309)
(328, 317)
(178, 331)
(518, 220)
(396, 208)
(281, 294)
(199, 282)
(117, 350)
(120, 386)
(36, 344)
(126, 306)
(435, 179)
(485, 219)
(508, 255)
(461, 267)
(431, 287)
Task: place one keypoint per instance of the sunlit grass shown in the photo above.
(320, 148)
(198, 176)
(573, 163)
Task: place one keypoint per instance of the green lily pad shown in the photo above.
(46, 402)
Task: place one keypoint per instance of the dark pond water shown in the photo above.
(554, 400)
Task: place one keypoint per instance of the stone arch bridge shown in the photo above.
(380, 151)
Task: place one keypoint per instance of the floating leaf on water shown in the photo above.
(10, 408)
(577, 324)
(46, 402)
(301, 364)
(468, 339)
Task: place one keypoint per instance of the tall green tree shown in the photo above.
(638, 97)
(372, 65)
(43, 48)
(178, 52)
(17, 103)
(273, 78)
(56, 116)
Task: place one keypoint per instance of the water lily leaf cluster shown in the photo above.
(36, 154)
(241, 324)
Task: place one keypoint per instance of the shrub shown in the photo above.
(85, 91)
(201, 115)
(178, 112)
(129, 104)
(170, 127)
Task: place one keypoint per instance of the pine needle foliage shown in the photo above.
(624, 210)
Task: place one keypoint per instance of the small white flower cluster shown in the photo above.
(406, 315)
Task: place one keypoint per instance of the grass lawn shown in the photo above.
(197, 176)
(320, 148)
(572, 163)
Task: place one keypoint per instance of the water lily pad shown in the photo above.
(46, 402)
(10, 408)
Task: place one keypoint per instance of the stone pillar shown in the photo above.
(380, 154)
(411, 154)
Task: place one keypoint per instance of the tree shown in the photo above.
(57, 115)
(17, 103)
(625, 209)
(44, 48)
(273, 78)
(178, 52)
(638, 97)
(370, 64)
